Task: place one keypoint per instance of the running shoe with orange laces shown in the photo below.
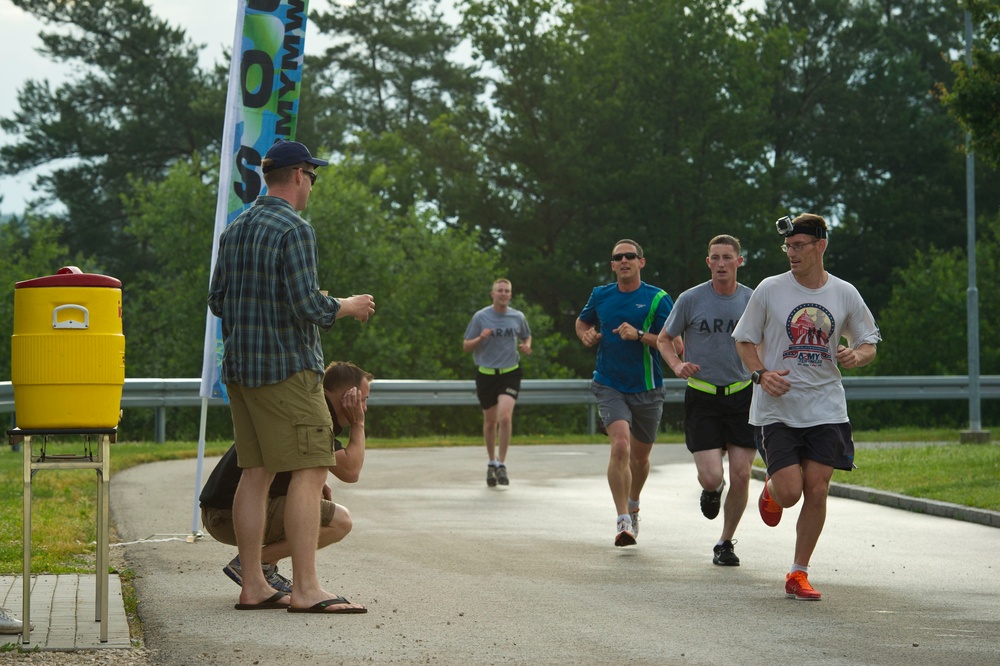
(770, 511)
(797, 587)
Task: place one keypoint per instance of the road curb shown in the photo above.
(907, 503)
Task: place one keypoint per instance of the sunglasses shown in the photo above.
(624, 255)
(311, 174)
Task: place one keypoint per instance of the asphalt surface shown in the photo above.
(454, 572)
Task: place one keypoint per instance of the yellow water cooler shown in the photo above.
(68, 351)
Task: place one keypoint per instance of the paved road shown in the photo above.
(456, 573)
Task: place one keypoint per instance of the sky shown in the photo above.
(210, 23)
(207, 22)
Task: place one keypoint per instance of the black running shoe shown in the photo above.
(711, 501)
(725, 555)
(491, 476)
(502, 475)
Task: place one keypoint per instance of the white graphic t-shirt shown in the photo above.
(798, 329)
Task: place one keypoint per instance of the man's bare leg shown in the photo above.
(490, 431)
(249, 507)
(619, 469)
(504, 419)
(302, 515)
(815, 488)
(338, 528)
(638, 463)
(740, 462)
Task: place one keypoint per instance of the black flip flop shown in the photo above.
(323, 605)
(271, 603)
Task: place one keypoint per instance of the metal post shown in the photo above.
(974, 434)
(161, 424)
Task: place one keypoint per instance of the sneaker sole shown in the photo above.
(491, 483)
(624, 539)
(770, 518)
(716, 560)
(792, 595)
(233, 576)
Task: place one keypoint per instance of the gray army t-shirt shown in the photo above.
(500, 349)
(707, 321)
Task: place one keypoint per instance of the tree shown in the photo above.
(30, 249)
(138, 104)
(170, 223)
(974, 98)
(857, 135)
(391, 95)
(427, 279)
(615, 119)
(924, 333)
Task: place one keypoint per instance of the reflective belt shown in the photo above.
(705, 387)
(497, 371)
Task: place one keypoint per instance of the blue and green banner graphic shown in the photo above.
(265, 79)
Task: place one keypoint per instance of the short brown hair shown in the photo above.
(725, 239)
(810, 220)
(280, 175)
(629, 241)
(344, 374)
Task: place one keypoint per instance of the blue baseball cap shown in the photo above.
(289, 153)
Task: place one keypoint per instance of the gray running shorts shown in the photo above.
(642, 410)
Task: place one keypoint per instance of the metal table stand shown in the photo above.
(95, 457)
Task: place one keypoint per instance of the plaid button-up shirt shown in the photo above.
(265, 290)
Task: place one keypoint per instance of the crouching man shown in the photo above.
(346, 388)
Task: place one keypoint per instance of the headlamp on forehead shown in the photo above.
(786, 228)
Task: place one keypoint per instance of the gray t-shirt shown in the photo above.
(500, 349)
(707, 321)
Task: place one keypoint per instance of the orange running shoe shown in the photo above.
(770, 511)
(797, 587)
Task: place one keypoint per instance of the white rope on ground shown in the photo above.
(150, 539)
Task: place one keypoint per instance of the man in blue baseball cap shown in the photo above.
(288, 153)
(266, 291)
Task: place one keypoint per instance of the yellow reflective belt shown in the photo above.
(705, 387)
(497, 371)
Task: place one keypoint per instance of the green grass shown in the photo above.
(967, 474)
(63, 517)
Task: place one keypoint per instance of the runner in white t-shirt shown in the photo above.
(789, 338)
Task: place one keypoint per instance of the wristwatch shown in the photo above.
(640, 333)
(756, 375)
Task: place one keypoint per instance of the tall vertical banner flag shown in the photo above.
(262, 105)
(265, 79)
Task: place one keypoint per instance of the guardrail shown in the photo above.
(162, 393)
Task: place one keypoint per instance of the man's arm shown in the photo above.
(525, 346)
(352, 458)
(671, 349)
(748, 352)
(359, 306)
(856, 358)
(772, 381)
(469, 344)
(587, 334)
